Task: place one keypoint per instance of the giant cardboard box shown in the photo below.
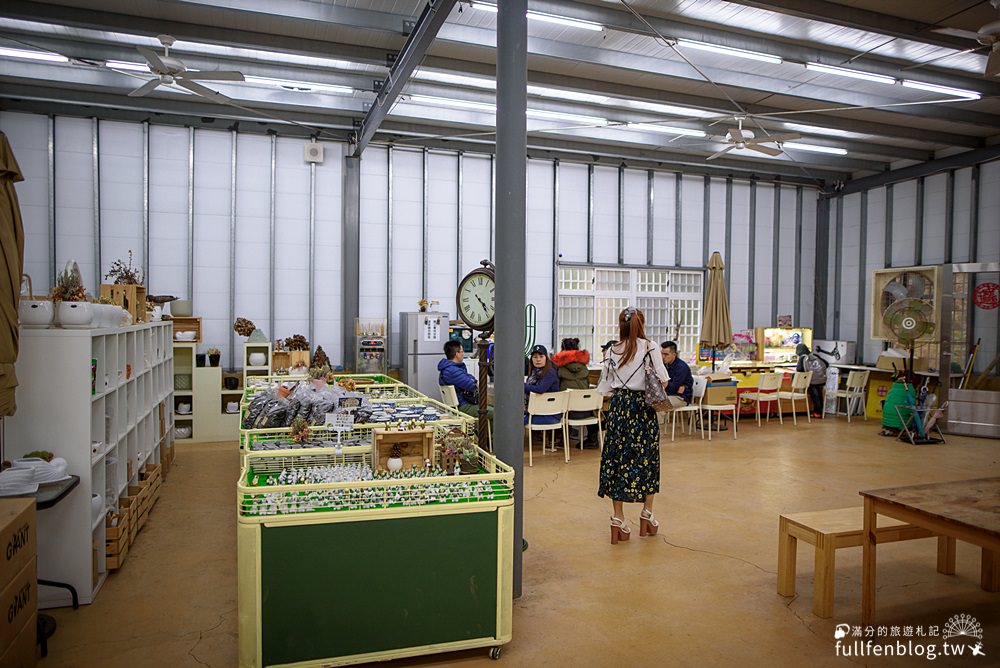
(23, 650)
(720, 394)
(17, 537)
(886, 362)
(19, 602)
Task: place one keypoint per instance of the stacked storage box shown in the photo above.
(18, 583)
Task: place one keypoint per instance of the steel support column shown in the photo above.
(820, 296)
(350, 256)
(96, 156)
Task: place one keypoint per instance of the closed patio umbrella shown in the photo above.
(11, 264)
(716, 327)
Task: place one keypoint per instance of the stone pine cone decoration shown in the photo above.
(320, 358)
(243, 327)
(297, 342)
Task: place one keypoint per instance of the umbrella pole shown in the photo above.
(713, 359)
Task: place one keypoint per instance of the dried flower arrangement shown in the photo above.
(125, 275)
(243, 327)
(299, 429)
(69, 288)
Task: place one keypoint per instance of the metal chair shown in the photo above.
(692, 409)
(768, 385)
(799, 390)
(857, 382)
(586, 400)
(548, 403)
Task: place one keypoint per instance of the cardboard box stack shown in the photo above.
(18, 583)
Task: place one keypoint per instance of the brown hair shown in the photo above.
(543, 370)
(631, 328)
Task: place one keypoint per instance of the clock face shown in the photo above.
(477, 300)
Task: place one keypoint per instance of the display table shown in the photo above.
(968, 510)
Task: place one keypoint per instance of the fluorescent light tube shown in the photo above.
(813, 148)
(301, 86)
(457, 79)
(125, 65)
(846, 72)
(730, 51)
(670, 109)
(946, 90)
(567, 94)
(26, 54)
(666, 129)
(560, 116)
(453, 103)
(547, 18)
(816, 130)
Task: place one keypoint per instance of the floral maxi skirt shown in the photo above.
(630, 463)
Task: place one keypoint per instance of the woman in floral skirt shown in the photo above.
(630, 463)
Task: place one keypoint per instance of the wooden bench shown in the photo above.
(831, 530)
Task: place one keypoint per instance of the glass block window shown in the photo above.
(613, 280)
(576, 279)
(576, 319)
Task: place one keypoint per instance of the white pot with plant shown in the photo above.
(74, 310)
(395, 461)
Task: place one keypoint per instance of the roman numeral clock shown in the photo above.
(477, 299)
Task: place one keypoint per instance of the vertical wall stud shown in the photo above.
(96, 155)
(424, 228)
(590, 213)
(752, 264)
(53, 271)
(232, 250)
(145, 201)
(271, 260)
(888, 225)
(459, 197)
(678, 212)
(729, 234)
(820, 286)
(649, 217)
(838, 259)
(190, 213)
(949, 217)
(555, 251)
(775, 251)
(797, 307)
(974, 217)
(918, 242)
(388, 254)
(312, 252)
(621, 214)
(862, 278)
(706, 216)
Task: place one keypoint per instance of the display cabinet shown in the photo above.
(204, 410)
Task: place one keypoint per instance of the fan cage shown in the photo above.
(910, 278)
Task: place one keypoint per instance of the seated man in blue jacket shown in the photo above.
(681, 385)
(452, 371)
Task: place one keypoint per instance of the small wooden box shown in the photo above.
(187, 325)
(416, 445)
(128, 506)
(286, 359)
(132, 298)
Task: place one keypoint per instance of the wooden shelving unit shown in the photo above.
(208, 418)
(250, 348)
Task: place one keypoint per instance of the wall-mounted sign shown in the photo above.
(986, 296)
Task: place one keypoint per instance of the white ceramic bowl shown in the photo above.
(182, 432)
(76, 315)
(184, 336)
(35, 312)
(257, 359)
(183, 407)
(181, 308)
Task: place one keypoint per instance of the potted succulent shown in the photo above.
(317, 375)
(395, 461)
(213, 356)
(299, 430)
(74, 309)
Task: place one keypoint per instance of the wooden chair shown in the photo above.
(692, 409)
(548, 403)
(800, 390)
(586, 400)
(854, 391)
(768, 385)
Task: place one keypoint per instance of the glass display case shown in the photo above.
(777, 344)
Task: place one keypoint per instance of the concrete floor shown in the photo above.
(701, 593)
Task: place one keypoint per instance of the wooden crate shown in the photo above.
(188, 325)
(416, 445)
(127, 506)
(132, 298)
(117, 540)
(286, 359)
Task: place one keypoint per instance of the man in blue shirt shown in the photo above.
(681, 384)
(452, 371)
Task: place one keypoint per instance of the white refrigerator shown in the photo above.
(422, 336)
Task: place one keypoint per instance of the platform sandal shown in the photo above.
(648, 526)
(619, 530)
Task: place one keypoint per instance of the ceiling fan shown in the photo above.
(172, 71)
(988, 36)
(739, 138)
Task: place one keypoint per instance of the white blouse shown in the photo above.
(631, 375)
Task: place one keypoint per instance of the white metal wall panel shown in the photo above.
(168, 208)
(121, 194)
(75, 197)
(935, 200)
(28, 135)
(904, 219)
(786, 251)
(664, 212)
(717, 217)
(692, 212)
(605, 246)
(442, 220)
(407, 240)
(291, 252)
(635, 216)
(986, 327)
(763, 254)
(374, 214)
(988, 248)
(538, 279)
(962, 224)
(738, 264)
(212, 187)
(476, 203)
(572, 212)
(868, 349)
(849, 269)
(329, 263)
(253, 225)
(807, 297)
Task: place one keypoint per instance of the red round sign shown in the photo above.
(987, 296)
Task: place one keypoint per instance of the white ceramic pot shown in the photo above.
(394, 463)
(257, 359)
(182, 432)
(183, 408)
(233, 407)
(181, 308)
(35, 312)
(76, 315)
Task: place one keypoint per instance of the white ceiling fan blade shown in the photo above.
(764, 149)
(736, 135)
(152, 58)
(993, 64)
(211, 76)
(206, 93)
(145, 88)
(964, 34)
(722, 152)
(947, 55)
(767, 139)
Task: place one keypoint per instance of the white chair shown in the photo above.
(854, 391)
(547, 403)
(692, 409)
(449, 397)
(590, 401)
(799, 390)
(768, 385)
(718, 408)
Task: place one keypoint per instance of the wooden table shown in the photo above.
(968, 510)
